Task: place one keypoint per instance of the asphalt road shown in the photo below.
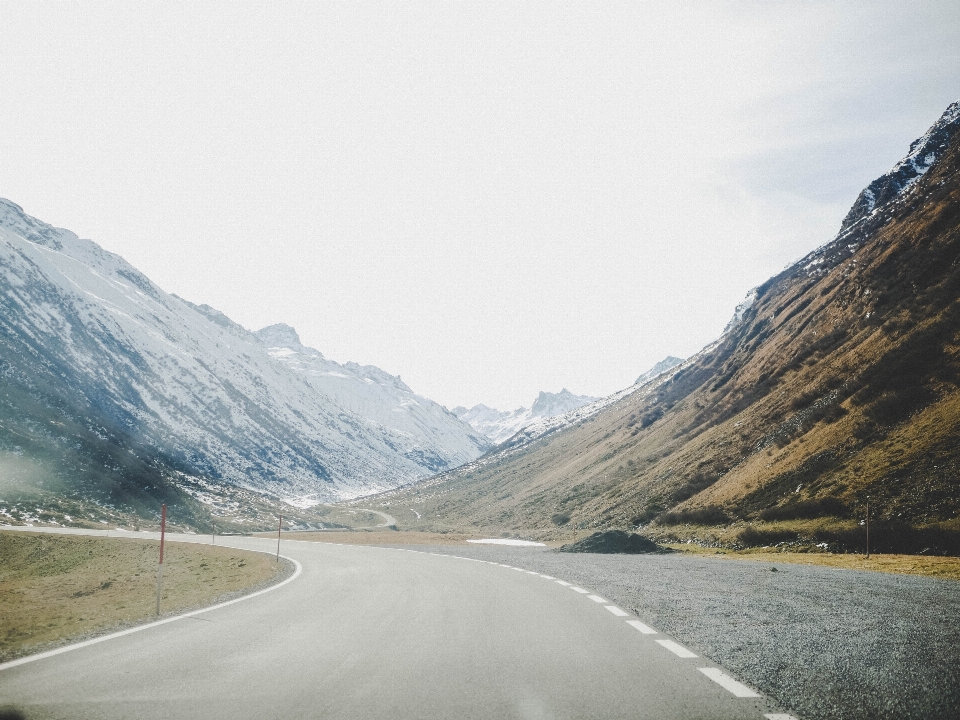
(827, 643)
(367, 632)
(388, 520)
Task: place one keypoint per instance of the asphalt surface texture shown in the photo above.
(822, 642)
(361, 632)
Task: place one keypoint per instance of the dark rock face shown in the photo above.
(924, 152)
(614, 541)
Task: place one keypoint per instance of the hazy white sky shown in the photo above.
(489, 198)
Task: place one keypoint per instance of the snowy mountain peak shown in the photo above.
(924, 152)
(500, 425)
(280, 335)
(550, 404)
(283, 343)
(15, 219)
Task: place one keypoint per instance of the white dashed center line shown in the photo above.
(728, 683)
(596, 598)
(616, 611)
(679, 651)
(645, 629)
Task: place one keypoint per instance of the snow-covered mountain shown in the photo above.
(500, 425)
(85, 336)
(434, 437)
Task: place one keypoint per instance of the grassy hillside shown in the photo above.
(841, 382)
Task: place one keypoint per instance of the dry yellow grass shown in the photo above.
(55, 588)
(933, 566)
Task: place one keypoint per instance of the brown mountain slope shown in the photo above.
(840, 381)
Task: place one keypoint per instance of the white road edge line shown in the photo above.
(779, 716)
(645, 629)
(580, 590)
(548, 577)
(596, 598)
(728, 683)
(679, 650)
(616, 611)
(563, 582)
(129, 631)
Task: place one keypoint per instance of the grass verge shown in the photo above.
(56, 589)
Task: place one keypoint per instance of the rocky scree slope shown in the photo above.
(837, 379)
(113, 389)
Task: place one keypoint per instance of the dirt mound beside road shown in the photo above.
(614, 541)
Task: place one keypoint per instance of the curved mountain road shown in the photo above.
(388, 520)
(371, 631)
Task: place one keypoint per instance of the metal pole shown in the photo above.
(280, 525)
(213, 534)
(868, 527)
(163, 530)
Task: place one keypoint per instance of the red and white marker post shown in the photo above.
(163, 530)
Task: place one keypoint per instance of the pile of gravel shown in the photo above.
(614, 541)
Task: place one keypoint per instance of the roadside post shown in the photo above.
(280, 525)
(868, 527)
(163, 530)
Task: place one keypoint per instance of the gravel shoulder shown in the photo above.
(824, 642)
